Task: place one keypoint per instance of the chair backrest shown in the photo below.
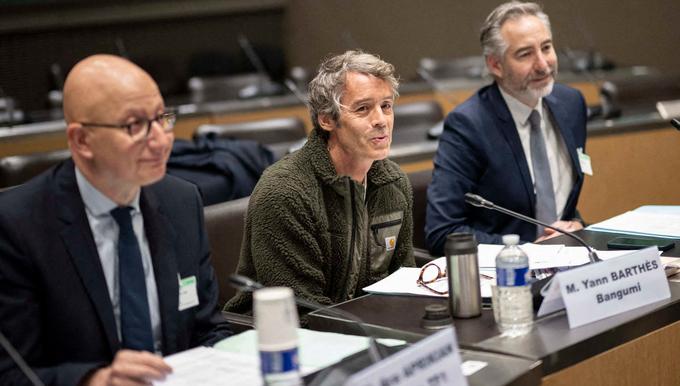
(412, 121)
(225, 225)
(17, 169)
(419, 181)
(269, 131)
(213, 88)
(472, 67)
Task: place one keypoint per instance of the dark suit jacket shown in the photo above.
(480, 152)
(54, 303)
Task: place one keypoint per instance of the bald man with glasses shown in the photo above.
(104, 261)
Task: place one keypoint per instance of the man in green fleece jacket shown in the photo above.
(336, 215)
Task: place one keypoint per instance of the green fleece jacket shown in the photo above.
(324, 235)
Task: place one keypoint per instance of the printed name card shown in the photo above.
(433, 361)
(597, 291)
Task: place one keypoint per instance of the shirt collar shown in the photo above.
(519, 111)
(96, 203)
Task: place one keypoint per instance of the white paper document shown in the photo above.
(207, 366)
(540, 255)
(644, 221)
(235, 360)
(404, 282)
(312, 347)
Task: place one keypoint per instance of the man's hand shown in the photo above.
(131, 368)
(570, 226)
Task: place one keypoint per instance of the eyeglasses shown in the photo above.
(432, 273)
(429, 274)
(139, 130)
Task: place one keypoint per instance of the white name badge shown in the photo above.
(598, 291)
(188, 296)
(434, 360)
(584, 161)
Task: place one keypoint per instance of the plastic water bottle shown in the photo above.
(515, 313)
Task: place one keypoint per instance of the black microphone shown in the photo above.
(265, 85)
(481, 202)
(676, 123)
(19, 361)
(246, 284)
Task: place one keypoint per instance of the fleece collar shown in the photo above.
(316, 150)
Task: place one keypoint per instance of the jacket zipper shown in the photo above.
(386, 224)
(354, 231)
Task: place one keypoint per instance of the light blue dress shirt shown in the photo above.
(105, 231)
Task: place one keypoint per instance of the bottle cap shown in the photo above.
(511, 239)
(276, 318)
(460, 244)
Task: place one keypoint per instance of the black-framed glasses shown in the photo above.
(429, 274)
(140, 129)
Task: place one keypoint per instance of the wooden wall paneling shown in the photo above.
(631, 168)
(648, 360)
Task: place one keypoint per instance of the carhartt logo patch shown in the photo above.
(390, 242)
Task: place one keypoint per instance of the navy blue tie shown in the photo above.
(135, 321)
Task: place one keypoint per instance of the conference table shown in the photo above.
(638, 347)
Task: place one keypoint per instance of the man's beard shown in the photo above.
(526, 92)
(536, 93)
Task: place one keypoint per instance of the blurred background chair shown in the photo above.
(224, 223)
(240, 86)
(277, 134)
(15, 170)
(413, 120)
(472, 67)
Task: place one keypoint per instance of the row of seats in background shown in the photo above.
(276, 137)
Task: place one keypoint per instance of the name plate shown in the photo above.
(433, 361)
(598, 291)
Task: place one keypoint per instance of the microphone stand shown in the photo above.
(246, 284)
(480, 202)
(676, 123)
(16, 357)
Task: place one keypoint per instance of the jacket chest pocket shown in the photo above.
(383, 239)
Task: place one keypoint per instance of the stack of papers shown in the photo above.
(235, 360)
(404, 280)
(650, 220)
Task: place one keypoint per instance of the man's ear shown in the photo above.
(494, 65)
(326, 122)
(78, 140)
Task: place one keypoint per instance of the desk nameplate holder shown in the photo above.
(434, 360)
(668, 109)
(597, 291)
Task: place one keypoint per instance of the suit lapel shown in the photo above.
(509, 130)
(160, 233)
(561, 119)
(79, 242)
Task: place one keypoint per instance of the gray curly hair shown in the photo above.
(326, 89)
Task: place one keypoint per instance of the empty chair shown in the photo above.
(17, 169)
(277, 134)
(413, 120)
(419, 181)
(224, 223)
(268, 131)
(471, 67)
(239, 86)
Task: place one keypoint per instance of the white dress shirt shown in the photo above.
(561, 169)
